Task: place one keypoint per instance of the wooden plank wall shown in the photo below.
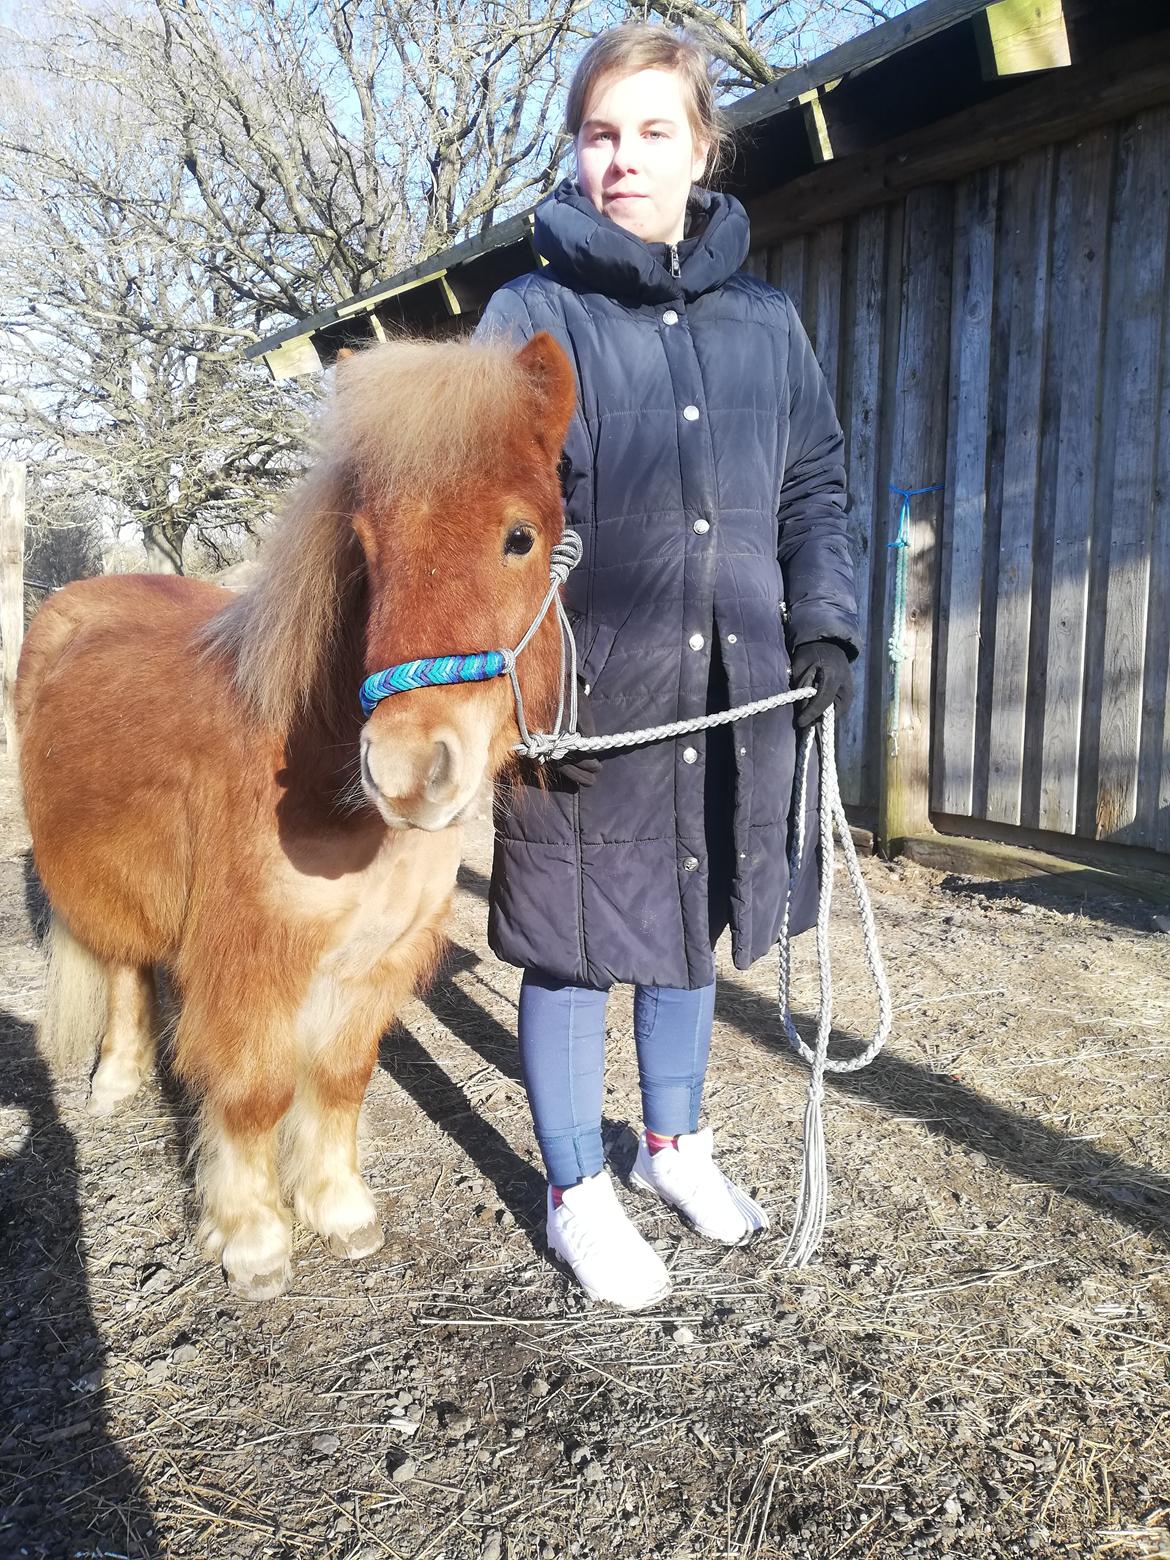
(1052, 610)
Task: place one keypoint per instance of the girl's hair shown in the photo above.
(639, 46)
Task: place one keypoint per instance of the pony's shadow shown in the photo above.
(519, 1185)
(65, 1485)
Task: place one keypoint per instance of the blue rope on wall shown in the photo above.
(894, 644)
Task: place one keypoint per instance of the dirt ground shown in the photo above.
(977, 1367)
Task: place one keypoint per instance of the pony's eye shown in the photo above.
(519, 540)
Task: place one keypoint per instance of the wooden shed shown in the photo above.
(970, 206)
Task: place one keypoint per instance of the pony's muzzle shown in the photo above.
(420, 780)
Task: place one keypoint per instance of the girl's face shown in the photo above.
(637, 155)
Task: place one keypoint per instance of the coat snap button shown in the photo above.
(701, 527)
(690, 863)
(670, 317)
(691, 413)
(690, 755)
(695, 641)
(733, 639)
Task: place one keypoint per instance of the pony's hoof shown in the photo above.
(261, 1286)
(257, 1258)
(362, 1243)
(106, 1098)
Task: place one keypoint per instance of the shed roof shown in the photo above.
(941, 59)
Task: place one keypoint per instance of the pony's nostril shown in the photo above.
(442, 773)
(367, 778)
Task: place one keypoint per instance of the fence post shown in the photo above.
(917, 460)
(11, 589)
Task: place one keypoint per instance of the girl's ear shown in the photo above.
(554, 386)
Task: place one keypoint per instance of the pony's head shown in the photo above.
(427, 526)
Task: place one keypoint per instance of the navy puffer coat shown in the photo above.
(703, 471)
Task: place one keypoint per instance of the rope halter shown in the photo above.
(481, 665)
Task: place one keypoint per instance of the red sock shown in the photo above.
(557, 1194)
(656, 1142)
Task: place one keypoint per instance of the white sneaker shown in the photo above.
(592, 1233)
(688, 1179)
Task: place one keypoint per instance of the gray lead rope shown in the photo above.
(565, 555)
(812, 1202)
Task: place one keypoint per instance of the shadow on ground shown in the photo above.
(1135, 1195)
(1083, 894)
(66, 1487)
(520, 1187)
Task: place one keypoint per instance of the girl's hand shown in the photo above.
(580, 769)
(824, 665)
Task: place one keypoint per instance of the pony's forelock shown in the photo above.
(406, 415)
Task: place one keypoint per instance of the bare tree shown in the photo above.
(174, 179)
(758, 42)
(177, 176)
(327, 144)
(123, 384)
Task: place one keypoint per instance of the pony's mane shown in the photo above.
(405, 418)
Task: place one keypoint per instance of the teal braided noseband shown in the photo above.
(431, 672)
(441, 670)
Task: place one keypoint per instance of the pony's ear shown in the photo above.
(552, 378)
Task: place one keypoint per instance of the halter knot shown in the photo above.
(565, 556)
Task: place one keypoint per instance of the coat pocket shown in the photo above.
(594, 642)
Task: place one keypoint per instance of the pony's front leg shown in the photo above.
(329, 1194)
(127, 1049)
(245, 1223)
(339, 1026)
(247, 1087)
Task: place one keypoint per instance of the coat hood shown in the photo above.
(591, 253)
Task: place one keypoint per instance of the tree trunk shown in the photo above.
(11, 588)
(164, 547)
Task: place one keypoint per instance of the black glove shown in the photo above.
(822, 664)
(577, 769)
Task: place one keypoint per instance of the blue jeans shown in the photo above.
(562, 1058)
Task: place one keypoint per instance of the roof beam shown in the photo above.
(816, 126)
(878, 43)
(298, 355)
(1018, 37)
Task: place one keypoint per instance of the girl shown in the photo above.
(703, 472)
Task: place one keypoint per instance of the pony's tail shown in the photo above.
(75, 1002)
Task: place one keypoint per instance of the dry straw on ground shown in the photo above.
(978, 1368)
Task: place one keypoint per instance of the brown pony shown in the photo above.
(204, 794)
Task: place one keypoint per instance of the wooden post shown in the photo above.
(11, 589)
(917, 460)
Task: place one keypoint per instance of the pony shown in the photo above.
(204, 793)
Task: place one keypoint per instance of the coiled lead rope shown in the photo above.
(812, 1199)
